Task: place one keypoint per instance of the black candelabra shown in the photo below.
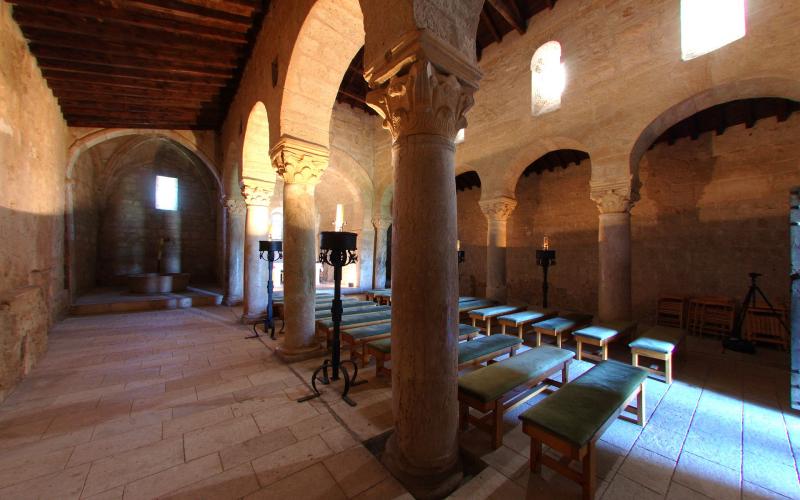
(545, 258)
(273, 249)
(461, 254)
(337, 249)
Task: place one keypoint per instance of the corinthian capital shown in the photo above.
(235, 206)
(298, 161)
(381, 223)
(614, 196)
(498, 209)
(256, 195)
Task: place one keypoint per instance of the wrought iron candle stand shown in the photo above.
(337, 249)
(545, 258)
(274, 251)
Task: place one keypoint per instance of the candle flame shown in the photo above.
(546, 243)
(458, 245)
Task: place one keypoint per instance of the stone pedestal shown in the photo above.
(255, 271)
(614, 201)
(423, 108)
(497, 212)
(300, 164)
(235, 231)
(381, 225)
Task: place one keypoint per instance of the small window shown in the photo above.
(166, 193)
(460, 135)
(276, 225)
(707, 25)
(548, 79)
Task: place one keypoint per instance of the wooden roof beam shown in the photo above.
(134, 83)
(510, 14)
(487, 22)
(156, 75)
(191, 67)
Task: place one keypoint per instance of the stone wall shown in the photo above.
(86, 222)
(33, 145)
(472, 234)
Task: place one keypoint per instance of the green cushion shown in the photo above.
(385, 345)
(376, 290)
(366, 332)
(490, 312)
(382, 345)
(352, 311)
(357, 319)
(662, 339)
(522, 317)
(474, 349)
(491, 382)
(580, 408)
(468, 299)
(467, 329)
(475, 304)
(605, 331)
(565, 322)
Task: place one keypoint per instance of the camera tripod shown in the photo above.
(735, 342)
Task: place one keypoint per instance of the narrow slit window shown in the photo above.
(460, 136)
(166, 193)
(548, 78)
(707, 25)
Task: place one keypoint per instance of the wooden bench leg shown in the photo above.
(503, 329)
(497, 438)
(488, 326)
(474, 322)
(579, 350)
(519, 331)
(668, 368)
(536, 455)
(604, 348)
(558, 340)
(538, 338)
(463, 416)
(589, 472)
(641, 410)
(565, 373)
(378, 364)
(635, 358)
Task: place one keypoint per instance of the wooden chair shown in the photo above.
(761, 324)
(670, 311)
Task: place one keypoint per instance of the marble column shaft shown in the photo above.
(497, 212)
(381, 225)
(235, 229)
(255, 271)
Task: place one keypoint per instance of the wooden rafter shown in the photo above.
(510, 14)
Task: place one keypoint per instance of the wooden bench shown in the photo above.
(469, 353)
(500, 387)
(659, 342)
(573, 419)
(601, 335)
(370, 294)
(486, 315)
(521, 319)
(469, 305)
(345, 305)
(324, 327)
(383, 298)
(562, 324)
(373, 307)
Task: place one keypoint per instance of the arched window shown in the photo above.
(707, 25)
(460, 136)
(548, 78)
(276, 225)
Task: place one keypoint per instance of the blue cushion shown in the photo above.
(490, 312)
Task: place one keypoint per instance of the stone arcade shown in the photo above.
(653, 145)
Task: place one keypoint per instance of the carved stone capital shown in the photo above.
(381, 223)
(617, 196)
(298, 161)
(235, 206)
(255, 195)
(498, 209)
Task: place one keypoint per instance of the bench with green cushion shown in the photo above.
(464, 307)
(501, 386)
(370, 294)
(373, 307)
(324, 327)
(467, 299)
(573, 419)
(601, 335)
(659, 342)
(523, 318)
(469, 353)
(345, 305)
(486, 314)
(561, 325)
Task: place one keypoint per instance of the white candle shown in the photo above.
(546, 244)
(458, 245)
(339, 223)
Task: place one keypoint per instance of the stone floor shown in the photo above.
(177, 404)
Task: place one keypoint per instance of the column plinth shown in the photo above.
(614, 200)
(257, 200)
(423, 107)
(300, 164)
(497, 212)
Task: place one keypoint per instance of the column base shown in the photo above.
(249, 319)
(299, 354)
(422, 482)
(232, 301)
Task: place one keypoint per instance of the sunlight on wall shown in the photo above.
(548, 78)
(707, 25)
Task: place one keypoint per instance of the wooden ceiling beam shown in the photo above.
(194, 14)
(135, 83)
(107, 103)
(64, 89)
(510, 14)
(104, 123)
(355, 97)
(175, 76)
(489, 25)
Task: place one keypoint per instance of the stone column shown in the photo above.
(614, 200)
(255, 271)
(497, 212)
(300, 164)
(235, 231)
(379, 267)
(424, 89)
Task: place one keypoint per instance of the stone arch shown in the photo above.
(319, 59)
(739, 89)
(256, 164)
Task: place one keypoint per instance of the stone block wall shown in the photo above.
(472, 227)
(33, 145)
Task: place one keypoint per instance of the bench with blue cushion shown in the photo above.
(500, 387)
(601, 335)
(486, 314)
(469, 305)
(521, 319)
(659, 342)
(349, 311)
(345, 304)
(573, 419)
(469, 353)
(370, 294)
(324, 327)
(563, 324)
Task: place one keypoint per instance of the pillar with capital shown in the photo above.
(381, 225)
(300, 164)
(497, 211)
(235, 231)
(256, 199)
(614, 200)
(423, 90)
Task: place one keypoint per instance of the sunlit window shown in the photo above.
(460, 136)
(166, 193)
(548, 78)
(276, 225)
(707, 25)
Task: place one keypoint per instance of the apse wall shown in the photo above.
(33, 146)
